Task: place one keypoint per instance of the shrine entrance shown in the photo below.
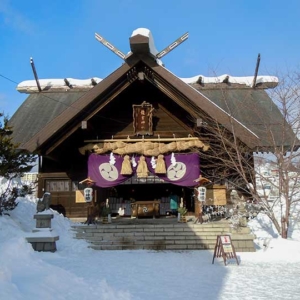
(124, 195)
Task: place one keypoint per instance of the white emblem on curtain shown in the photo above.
(176, 172)
(108, 172)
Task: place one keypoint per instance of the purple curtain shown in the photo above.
(183, 173)
(106, 175)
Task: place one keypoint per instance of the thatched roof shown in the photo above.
(37, 111)
(256, 111)
(42, 115)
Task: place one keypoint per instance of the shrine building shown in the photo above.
(141, 134)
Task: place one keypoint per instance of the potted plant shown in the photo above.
(182, 211)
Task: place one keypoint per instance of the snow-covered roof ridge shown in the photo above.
(151, 47)
(147, 33)
(30, 86)
(246, 80)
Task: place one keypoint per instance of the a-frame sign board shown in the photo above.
(224, 248)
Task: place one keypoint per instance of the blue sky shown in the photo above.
(224, 38)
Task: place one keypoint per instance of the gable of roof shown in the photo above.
(35, 123)
(39, 135)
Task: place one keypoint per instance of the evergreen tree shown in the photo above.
(14, 162)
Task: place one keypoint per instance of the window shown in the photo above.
(57, 185)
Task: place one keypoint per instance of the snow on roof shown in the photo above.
(247, 80)
(147, 33)
(30, 86)
(54, 84)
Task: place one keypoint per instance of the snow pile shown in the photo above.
(77, 272)
(264, 229)
(26, 274)
(247, 80)
(5, 184)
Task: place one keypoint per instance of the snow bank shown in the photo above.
(76, 272)
(26, 274)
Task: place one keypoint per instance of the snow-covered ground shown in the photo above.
(77, 272)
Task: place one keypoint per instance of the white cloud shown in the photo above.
(15, 19)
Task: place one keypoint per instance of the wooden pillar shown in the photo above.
(198, 204)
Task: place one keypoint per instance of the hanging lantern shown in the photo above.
(201, 193)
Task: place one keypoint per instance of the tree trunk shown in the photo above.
(284, 228)
(285, 221)
(275, 223)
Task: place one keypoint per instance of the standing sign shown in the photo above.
(224, 248)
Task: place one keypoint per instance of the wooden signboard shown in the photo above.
(224, 248)
(216, 195)
(79, 197)
(142, 119)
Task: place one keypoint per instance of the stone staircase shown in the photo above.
(157, 235)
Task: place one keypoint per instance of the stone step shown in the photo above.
(178, 227)
(136, 233)
(162, 236)
(158, 247)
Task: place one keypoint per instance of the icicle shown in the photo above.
(160, 165)
(126, 166)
